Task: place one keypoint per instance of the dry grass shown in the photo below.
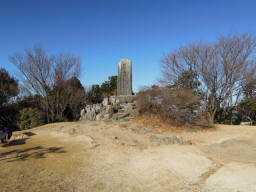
(156, 122)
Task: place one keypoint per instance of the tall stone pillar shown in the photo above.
(124, 78)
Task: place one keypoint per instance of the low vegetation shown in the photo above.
(29, 118)
(176, 106)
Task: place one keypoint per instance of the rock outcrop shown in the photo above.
(121, 107)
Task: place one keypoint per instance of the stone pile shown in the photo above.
(122, 107)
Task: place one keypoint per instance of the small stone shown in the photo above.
(114, 137)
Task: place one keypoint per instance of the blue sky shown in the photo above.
(103, 32)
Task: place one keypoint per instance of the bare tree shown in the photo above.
(66, 67)
(249, 84)
(221, 67)
(40, 72)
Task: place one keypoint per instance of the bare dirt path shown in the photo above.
(112, 156)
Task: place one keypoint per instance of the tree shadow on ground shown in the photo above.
(19, 141)
(29, 133)
(38, 152)
(15, 142)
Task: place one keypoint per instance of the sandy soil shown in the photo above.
(112, 156)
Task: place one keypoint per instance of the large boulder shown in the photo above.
(82, 113)
(127, 107)
(91, 116)
(99, 117)
(109, 109)
(89, 113)
(98, 107)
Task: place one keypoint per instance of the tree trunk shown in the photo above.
(212, 116)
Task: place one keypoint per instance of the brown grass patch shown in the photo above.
(156, 122)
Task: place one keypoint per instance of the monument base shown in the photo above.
(122, 99)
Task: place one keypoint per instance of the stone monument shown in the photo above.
(124, 78)
(119, 107)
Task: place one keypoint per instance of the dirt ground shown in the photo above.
(114, 156)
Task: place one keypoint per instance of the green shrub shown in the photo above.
(29, 118)
(247, 109)
(228, 115)
(226, 122)
(8, 116)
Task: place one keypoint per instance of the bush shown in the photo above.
(8, 116)
(177, 106)
(8, 86)
(29, 118)
(247, 110)
(228, 115)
